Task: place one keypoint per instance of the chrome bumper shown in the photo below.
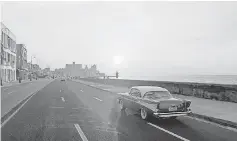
(172, 114)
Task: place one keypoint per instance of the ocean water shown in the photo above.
(215, 79)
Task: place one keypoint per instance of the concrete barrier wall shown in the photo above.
(202, 90)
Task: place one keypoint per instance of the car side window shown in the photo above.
(148, 95)
(135, 92)
(131, 91)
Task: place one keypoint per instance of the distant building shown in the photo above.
(92, 71)
(8, 55)
(21, 61)
(35, 67)
(46, 71)
(74, 70)
(59, 72)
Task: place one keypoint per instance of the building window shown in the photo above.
(2, 38)
(5, 41)
(9, 42)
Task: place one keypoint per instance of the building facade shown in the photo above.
(91, 72)
(59, 72)
(8, 55)
(21, 61)
(74, 70)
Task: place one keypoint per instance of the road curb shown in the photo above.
(215, 120)
(7, 115)
(18, 106)
(207, 118)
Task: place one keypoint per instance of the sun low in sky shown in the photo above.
(118, 60)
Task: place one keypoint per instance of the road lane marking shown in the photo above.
(83, 137)
(106, 89)
(11, 92)
(173, 134)
(63, 99)
(112, 130)
(93, 121)
(81, 90)
(2, 125)
(56, 107)
(81, 108)
(97, 98)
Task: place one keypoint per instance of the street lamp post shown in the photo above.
(31, 68)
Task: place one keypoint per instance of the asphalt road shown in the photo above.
(70, 111)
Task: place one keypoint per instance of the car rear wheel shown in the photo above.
(121, 105)
(144, 114)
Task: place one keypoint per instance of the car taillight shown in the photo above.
(158, 106)
(188, 103)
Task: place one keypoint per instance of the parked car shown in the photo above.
(154, 101)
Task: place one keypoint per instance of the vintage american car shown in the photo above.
(153, 101)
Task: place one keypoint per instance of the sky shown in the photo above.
(135, 38)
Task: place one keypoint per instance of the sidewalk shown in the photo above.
(14, 83)
(215, 111)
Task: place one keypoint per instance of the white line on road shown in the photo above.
(173, 134)
(63, 99)
(81, 108)
(56, 107)
(81, 90)
(97, 98)
(106, 89)
(17, 109)
(83, 137)
(11, 92)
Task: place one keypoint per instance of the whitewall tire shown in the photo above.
(144, 114)
(121, 105)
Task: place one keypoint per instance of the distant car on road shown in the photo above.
(63, 79)
(154, 101)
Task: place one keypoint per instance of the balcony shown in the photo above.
(7, 63)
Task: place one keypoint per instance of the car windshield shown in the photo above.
(157, 94)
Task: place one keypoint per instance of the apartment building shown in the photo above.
(21, 61)
(8, 55)
(74, 70)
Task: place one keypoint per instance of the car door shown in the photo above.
(135, 96)
(128, 99)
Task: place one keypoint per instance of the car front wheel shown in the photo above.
(144, 114)
(121, 105)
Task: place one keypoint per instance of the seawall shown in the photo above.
(202, 90)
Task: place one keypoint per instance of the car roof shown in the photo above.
(144, 89)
